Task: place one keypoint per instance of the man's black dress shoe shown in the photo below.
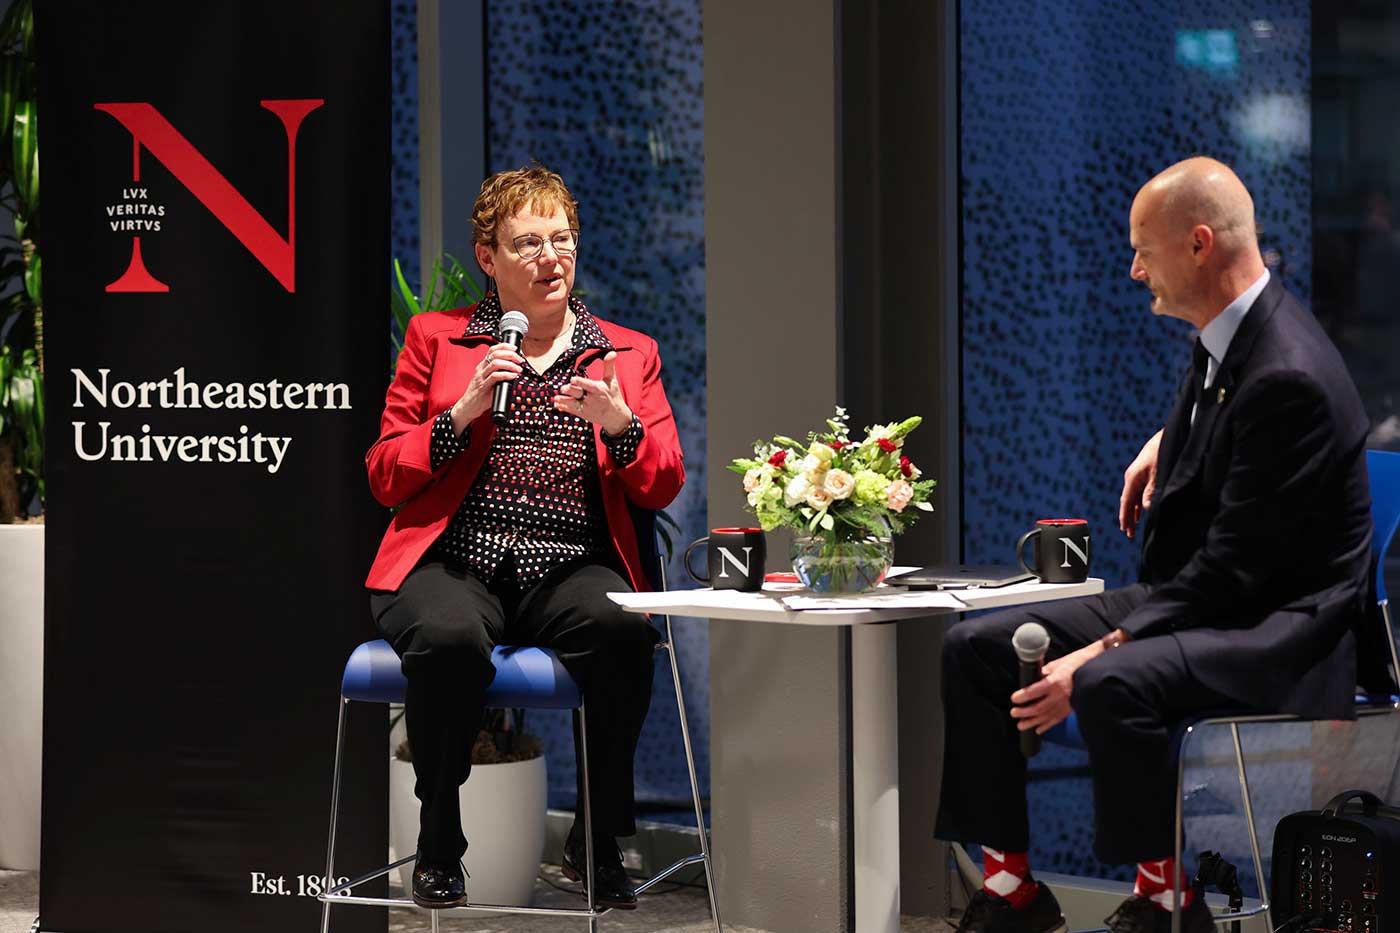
(988, 913)
(438, 884)
(612, 887)
(1139, 915)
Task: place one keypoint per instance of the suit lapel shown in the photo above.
(1222, 391)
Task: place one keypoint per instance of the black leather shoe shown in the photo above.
(438, 884)
(988, 913)
(612, 887)
(1139, 915)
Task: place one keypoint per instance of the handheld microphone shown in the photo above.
(1031, 641)
(511, 331)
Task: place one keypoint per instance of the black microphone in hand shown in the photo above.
(512, 330)
(1031, 641)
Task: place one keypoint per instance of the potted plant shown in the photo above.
(21, 446)
(846, 499)
(504, 804)
(21, 306)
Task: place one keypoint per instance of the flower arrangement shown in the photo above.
(842, 496)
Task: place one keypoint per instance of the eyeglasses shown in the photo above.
(530, 245)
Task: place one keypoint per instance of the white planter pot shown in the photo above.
(21, 692)
(503, 817)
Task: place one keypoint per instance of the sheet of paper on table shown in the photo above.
(666, 598)
(890, 599)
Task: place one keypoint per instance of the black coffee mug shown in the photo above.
(736, 559)
(1060, 552)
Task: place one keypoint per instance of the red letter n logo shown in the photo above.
(151, 130)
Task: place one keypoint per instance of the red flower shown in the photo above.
(778, 458)
(887, 445)
(906, 467)
(836, 445)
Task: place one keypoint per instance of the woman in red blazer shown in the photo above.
(515, 533)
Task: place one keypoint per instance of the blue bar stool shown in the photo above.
(531, 678)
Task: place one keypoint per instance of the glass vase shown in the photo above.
(827, 565)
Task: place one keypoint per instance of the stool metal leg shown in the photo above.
(694, 782)
(335, 810)
(581, 713)
(1249, 824)
(1178, 833)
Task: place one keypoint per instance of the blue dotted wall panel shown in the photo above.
(403, 211)
(1067, 108)
(608, 93)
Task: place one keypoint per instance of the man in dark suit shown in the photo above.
(1255, 529)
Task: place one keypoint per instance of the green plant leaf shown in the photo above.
(26, 156)
(429, 299)
(33, 279)
(10, 78)
(409, 299)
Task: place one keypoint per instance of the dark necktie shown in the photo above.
(1199, 360)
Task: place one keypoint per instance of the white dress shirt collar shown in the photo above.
(1217, 335)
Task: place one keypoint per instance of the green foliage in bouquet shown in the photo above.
(835, 487)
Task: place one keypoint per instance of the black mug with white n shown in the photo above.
(736, 559)
(1060, 553)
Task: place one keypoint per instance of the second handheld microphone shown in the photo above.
(511, 331)
(1031, 641)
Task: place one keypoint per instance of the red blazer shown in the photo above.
(433, 370)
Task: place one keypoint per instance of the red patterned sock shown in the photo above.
(1008, 876)
(1152, 883)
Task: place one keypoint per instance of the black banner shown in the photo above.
(215, 236)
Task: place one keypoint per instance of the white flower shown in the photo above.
(839, 484)
(796, 491)
(821, 451)
(752, 478)
(878, 431)
(898, 495)
(818, 498)
(812, 465)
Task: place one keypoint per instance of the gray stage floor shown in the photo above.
(676, 910)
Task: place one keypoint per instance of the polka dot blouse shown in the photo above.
(537, 496)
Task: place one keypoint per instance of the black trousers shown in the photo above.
(1127, 701)
(443, 623)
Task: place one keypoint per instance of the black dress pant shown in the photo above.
(1127, 701)
(443, 622)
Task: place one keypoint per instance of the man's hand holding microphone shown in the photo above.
(1044, 698)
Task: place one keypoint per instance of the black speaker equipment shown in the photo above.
(1332, 867)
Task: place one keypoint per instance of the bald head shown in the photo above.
(1204, 192)
(1194, 239)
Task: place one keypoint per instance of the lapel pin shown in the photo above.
(1220, 396)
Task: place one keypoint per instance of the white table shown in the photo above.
(874, 702)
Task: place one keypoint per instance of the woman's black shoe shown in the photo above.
(437, 885)
(612, 887)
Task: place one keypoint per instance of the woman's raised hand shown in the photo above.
(500, 364)
(597, 400)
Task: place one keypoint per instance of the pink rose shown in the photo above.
(899, 495)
